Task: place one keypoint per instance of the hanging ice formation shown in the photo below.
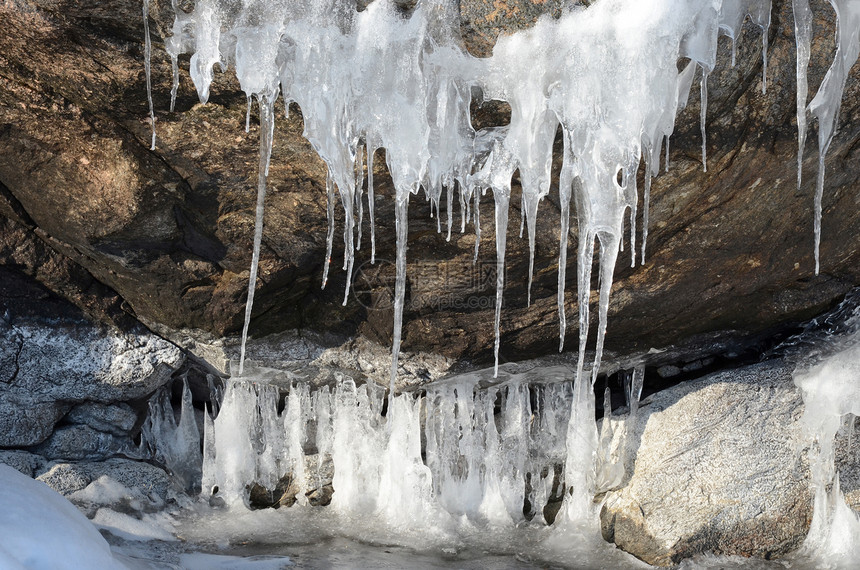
(174, 444)
(831, 397)
(379, 79)
(827, 101)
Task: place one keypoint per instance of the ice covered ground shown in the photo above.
(43, 530)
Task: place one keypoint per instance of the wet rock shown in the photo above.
(719, 467)
(317, 484)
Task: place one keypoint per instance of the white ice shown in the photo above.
(831, 392)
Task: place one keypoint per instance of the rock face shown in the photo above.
(89, 211)
(56, 365)
(720, 466)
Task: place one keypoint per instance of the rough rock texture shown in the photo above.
(290, 357)
(89, 211)
(69, 478)
(118, 419)
(52, 357)
(720, 467)
(27, 463)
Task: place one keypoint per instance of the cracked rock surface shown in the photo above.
(717, 465)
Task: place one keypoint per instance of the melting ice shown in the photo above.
(607, 77)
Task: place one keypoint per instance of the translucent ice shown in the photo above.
(455, 451)
(831, 392)
(174, 444)
(605, 77)
(827, 101)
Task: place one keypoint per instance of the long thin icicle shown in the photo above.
(803, 38)
(370, 203)
(329, 241)
(827, 102)
(402, 229)
(267, 126)
(564, 192)
(502, 197)
(703, 117)
(646, 201)
(147, 54)
(408, 91)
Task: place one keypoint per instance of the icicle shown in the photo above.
(646, 201)
(370, 203)
(463, 207)
(295, 421)
(819, 195)
(829, 391)
(531, 215)
(477, 219)
(147, 55)
(329, 192)
(347, 200)
(248, 116)
(450, 189)
(632, 197)
(564, 192)
(608, 475)
(174, 87)
(704, 112)
(401, 223)
(267, 126)
(522, 214)
(827, 102)
(608, 256)
(734, 51)
(666, 161)
(174, 444)
(502, 196)
(585, 257)
(803, 38)
(359, 177)
(207, 481)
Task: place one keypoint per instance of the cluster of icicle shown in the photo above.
(489, 455)
(384, 79)
(827, 101)
(171, 442)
